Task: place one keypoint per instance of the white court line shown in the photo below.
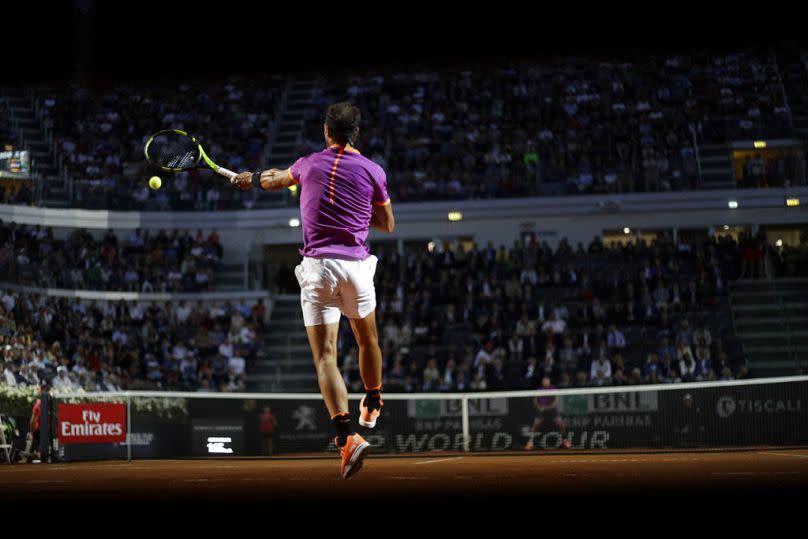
(783, 454)
(438, 460)
(49, 481)
(755, 473)
(261, 479)
(406, 478)
(598, 461)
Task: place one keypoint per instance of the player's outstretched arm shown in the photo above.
(271, 180)
(243, 180)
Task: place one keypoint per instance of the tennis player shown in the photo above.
(343, 194)
(548, 409)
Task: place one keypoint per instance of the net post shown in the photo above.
(45, 421)
(464, 408)
(128, 426)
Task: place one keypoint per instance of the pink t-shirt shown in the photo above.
(339, 189)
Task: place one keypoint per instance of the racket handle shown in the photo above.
(229, 174)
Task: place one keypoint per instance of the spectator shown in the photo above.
(62, 381)
(601, 371)
(615, 339)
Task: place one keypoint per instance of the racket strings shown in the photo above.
(173, 151)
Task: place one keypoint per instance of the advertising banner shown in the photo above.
(91, 423)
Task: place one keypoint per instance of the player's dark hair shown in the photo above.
(342, 120)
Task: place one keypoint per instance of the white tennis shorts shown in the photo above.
(330, 286)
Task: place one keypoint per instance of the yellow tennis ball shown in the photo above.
(155, 182)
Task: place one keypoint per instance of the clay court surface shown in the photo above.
(415, 476)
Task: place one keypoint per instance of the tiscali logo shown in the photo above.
(725, 406)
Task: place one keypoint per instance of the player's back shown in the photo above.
(339, 188)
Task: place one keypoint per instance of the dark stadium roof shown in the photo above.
(86, 39)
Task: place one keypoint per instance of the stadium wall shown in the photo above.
(578, 218)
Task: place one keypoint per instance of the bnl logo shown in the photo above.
(217, 445)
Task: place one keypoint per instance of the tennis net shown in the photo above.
(729, 414)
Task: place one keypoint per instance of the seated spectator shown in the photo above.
(601, 370)
(62, 381)
(478, 383)
(532, 373)
(702, 336)
(495, 377)
(568, 357)
(704, 364)
(672, 377)
(688, 367)
(615, 339)
(516, 347)
(652, 366)
(431, 376)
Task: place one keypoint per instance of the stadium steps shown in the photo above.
(229, 277)
(291, 120)
(30, 130)
(795, 78)
(754, 298)
(716, 167)
(286, 363)
(785, 308)
(770, 317)
(775, 323)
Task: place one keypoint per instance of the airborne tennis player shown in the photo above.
(343, 195)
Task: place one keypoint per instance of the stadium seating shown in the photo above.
(173, 261)
(449, 305)
(562, 127)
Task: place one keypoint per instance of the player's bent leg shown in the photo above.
(370, 368)
(370, 354)
(323, 342)
(353, 448)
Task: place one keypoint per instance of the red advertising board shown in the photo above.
(92, 423)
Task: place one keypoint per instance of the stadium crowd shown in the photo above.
(564, 128)
(449, 320)
(561, 127)
(498, 318)
(100, 136)
(144, 261)
(108, 346)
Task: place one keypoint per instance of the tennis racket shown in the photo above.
(173, 150)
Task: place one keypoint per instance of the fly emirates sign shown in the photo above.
(92, 423)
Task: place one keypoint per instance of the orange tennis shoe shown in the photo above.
(367, 416)
(352, 453)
